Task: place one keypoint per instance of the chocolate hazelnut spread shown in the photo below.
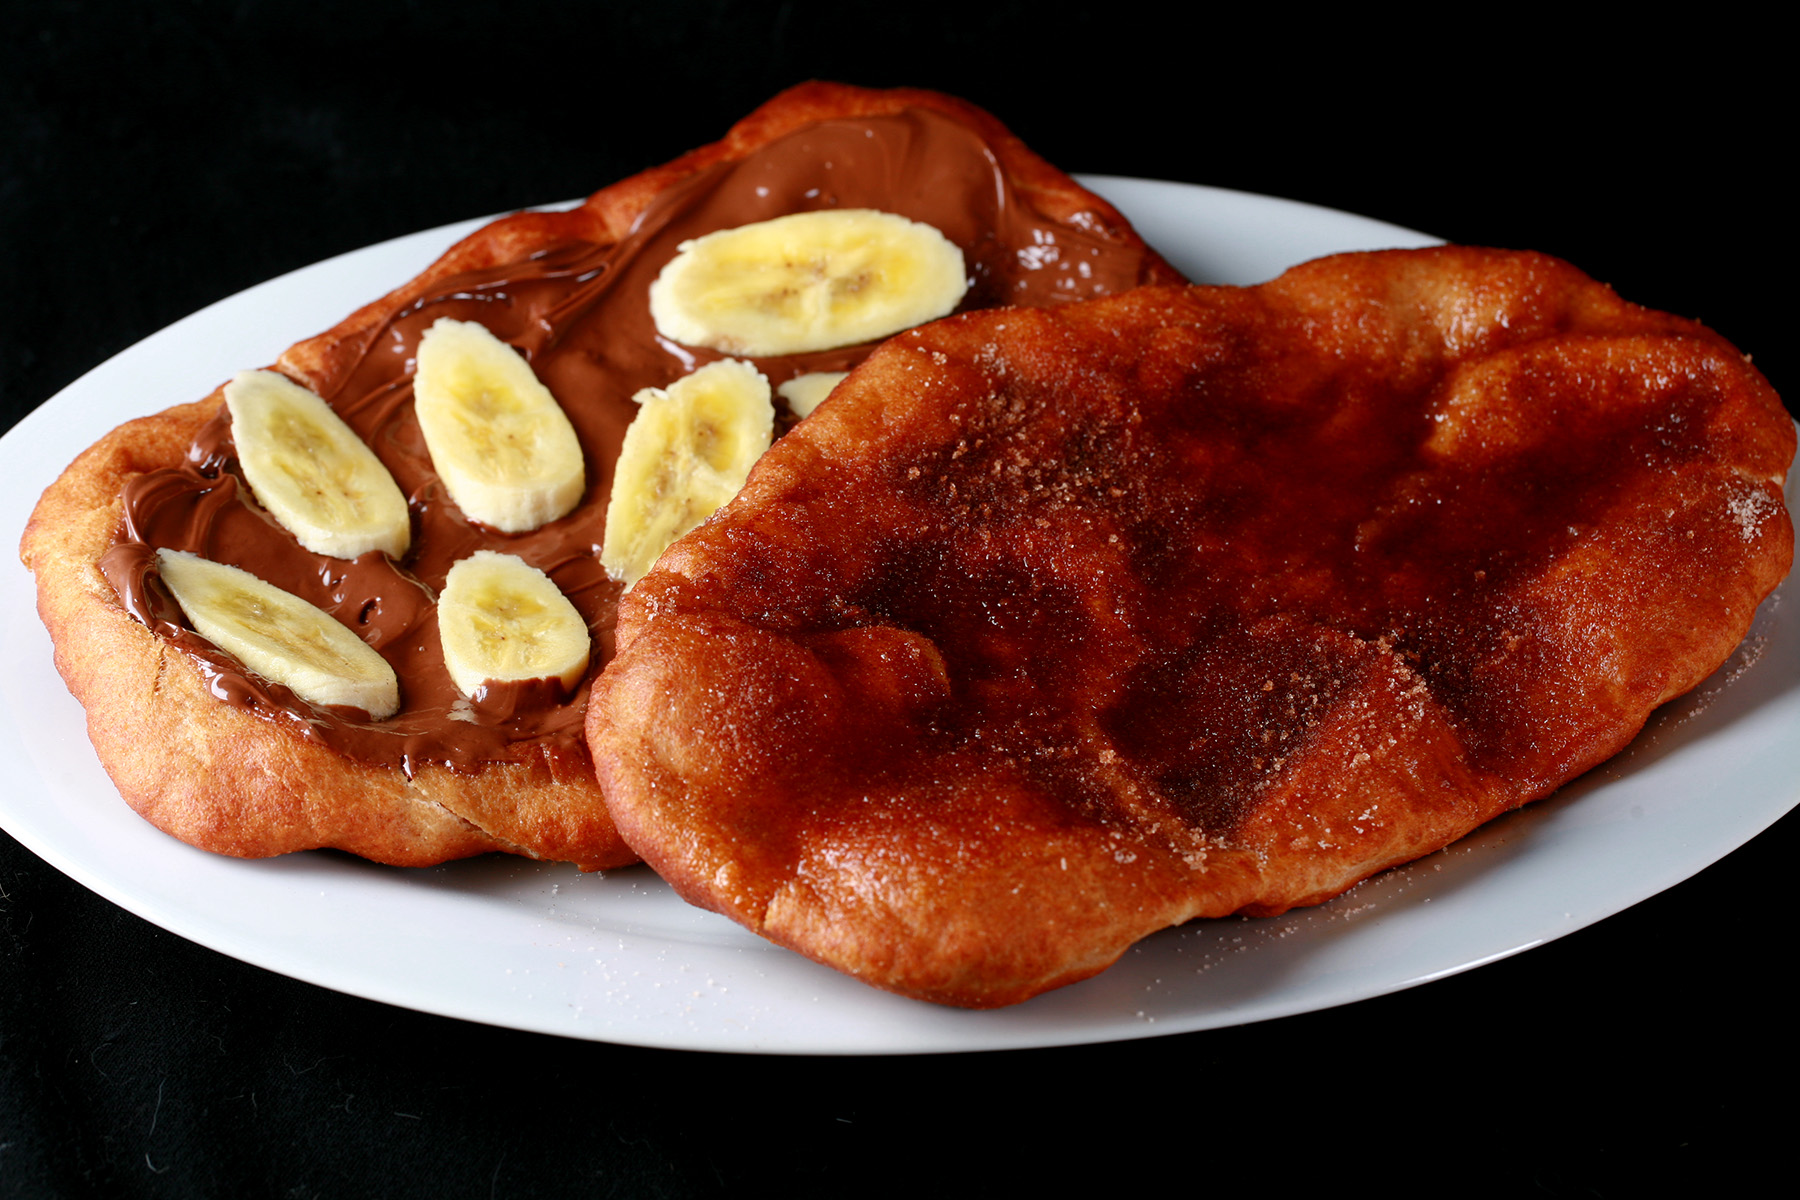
(579, 313)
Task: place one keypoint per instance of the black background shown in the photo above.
(155, 160)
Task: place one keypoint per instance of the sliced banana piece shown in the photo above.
(280, 636)
(808, 281)
(502, 445)
(687, 452)
(806, 392)
(503, 620)
(312, 472)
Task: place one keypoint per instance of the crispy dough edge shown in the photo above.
(607, 215)
(218, 776)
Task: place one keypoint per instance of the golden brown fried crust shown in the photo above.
(209, 773)
(226, 780)
(1054, 628)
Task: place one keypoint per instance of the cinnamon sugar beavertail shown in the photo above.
(1055, 628)
(230, 761)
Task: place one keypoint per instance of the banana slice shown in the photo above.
(501, 443)
(686, 453)
(809, 281)
(280, 636)
(502, 619)
(806, 392)
(312, 472)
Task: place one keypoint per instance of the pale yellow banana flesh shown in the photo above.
(806, 392)
(312, 472)
(685, 455)
(503, 620)
(806, 282)
(502, 445)
(280, 636)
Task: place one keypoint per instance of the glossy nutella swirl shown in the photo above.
(579, 313)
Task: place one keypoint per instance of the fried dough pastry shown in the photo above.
(236, 764)
(1052, 629)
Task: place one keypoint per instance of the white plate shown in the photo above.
(619, 958)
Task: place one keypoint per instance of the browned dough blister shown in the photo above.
(1054, 628)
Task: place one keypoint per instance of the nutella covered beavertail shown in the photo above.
(551, 313)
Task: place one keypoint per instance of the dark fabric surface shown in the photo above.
(153, 161)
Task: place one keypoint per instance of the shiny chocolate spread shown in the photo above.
(579, 313)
